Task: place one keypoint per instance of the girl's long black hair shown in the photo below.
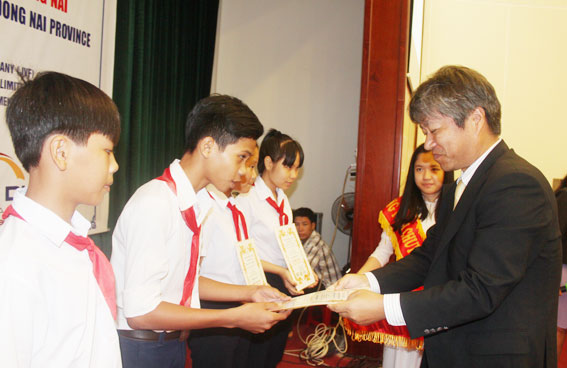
(412, 205)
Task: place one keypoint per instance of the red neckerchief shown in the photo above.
(191, 222)
(236, 215)
(102, 269)
(284, 220)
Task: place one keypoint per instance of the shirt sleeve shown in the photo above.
(145, 229)
(384, 250)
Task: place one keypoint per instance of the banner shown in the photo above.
(74, 37)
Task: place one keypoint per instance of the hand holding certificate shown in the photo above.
(295, 257)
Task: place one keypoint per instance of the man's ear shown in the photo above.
(206, 146)
(59, 148)
(268, 163)
(478, 118)
(313, 225)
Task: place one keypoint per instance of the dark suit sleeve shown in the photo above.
(506, 228)
(409, 272)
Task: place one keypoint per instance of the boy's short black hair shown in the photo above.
(277, 145)
(224, 118)
(56, 103)
(305, 212)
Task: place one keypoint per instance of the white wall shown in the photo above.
(297, 64)
(520, 46)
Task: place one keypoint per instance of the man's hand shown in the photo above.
(258, 317)
(352, 281)
(363, 307)
(265, 293)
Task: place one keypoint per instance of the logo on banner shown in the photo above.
(12, 173)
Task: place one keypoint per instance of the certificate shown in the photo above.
(295, 257)
(250, 263)
(319, 298)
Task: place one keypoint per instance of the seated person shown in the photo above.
(319, 254)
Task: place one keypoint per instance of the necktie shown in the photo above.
(283, 217)
(102, 269)
(236, 216)
(191, 222)
(458, 192)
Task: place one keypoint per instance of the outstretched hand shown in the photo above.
(352, 281)
(265, 293)
(258, 317)
(363, 307)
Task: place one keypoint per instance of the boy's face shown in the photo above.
(226, 167)
(91, 168)
(304, 227)
(248, 179)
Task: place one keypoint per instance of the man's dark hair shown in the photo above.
(455, 91)
(277, 145)
(305, 212)
(56, 103)
(224, 118)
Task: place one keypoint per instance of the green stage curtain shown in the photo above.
(163, 66)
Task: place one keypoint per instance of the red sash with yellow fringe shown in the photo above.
(404, 242)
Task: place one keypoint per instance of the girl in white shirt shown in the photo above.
(266, 207)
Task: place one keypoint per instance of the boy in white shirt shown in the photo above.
(56, 308)
(156, 243)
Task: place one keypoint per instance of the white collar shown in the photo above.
(467, 174)
(186, 196)
(46, 221)
(264, 192)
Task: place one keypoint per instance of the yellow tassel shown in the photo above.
(382, 338)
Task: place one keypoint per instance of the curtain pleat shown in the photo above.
(163, 65)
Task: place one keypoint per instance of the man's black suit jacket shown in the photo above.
(491, 270)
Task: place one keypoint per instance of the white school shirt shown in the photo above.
(385, 248)
(392, 306)
(219, 238)
(151, 246)
(263, 220)
(52, 311)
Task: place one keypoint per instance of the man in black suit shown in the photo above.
(491, 265)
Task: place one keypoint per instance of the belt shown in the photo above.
(149, 335)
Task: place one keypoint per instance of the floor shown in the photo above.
(309, 325)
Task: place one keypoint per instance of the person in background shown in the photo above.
(266, 208)
(404, 221)
(224, 228)
(319, 254)
(561, 197)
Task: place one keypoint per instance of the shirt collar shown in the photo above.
(264, 192)
(219, 197)
(467, 174)
(47, 222)
(186, 196)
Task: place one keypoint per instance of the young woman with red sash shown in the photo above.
(404, 222)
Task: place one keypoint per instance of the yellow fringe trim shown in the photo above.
(382, 338)
(390, 232)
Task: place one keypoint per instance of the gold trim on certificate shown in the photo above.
(295, 257)
(250, 263)
(319, 298)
